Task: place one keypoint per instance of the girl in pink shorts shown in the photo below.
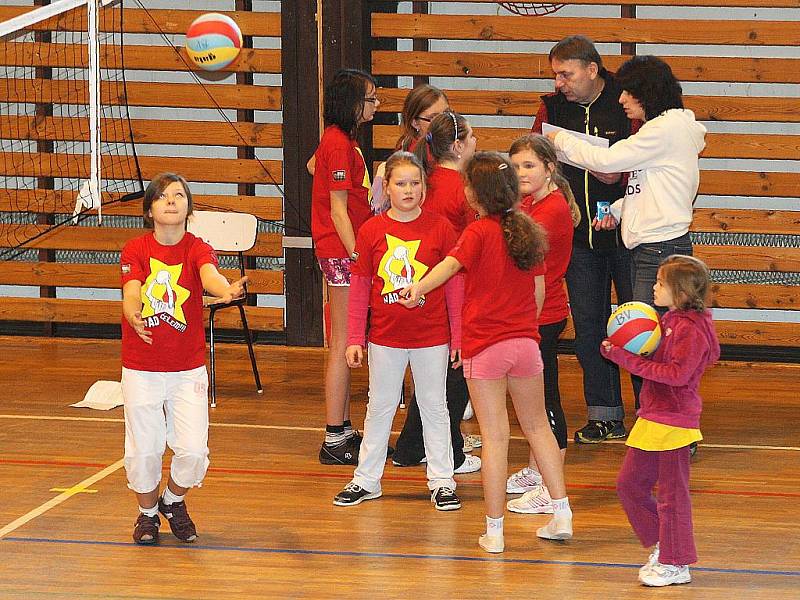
(502, 255)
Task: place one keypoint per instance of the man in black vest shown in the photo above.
(587, 100)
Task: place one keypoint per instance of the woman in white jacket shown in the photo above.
(662, 162)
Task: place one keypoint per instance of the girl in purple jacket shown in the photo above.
(669, 420)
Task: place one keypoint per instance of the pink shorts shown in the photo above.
(515, 357)
(336, 271)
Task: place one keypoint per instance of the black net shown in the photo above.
(45, 152)
(530, 9)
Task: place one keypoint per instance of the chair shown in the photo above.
(227, 232)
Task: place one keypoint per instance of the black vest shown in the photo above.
(604, 118)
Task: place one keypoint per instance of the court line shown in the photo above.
(64, 496)
(320, 429)
(354, 554)
(346, 476)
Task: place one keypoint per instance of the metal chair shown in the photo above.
(227, 232)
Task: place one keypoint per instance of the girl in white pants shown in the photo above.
(395, 249)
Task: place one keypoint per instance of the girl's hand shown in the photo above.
(354, 355)
(234, 291)
(606, 345)
(455, 358)
(608, 222)
(137, 323)
(410, 296)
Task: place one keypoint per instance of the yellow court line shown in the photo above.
(290, 428)
(77, 488)
(68, 489)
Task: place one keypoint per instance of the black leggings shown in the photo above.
(552, 397)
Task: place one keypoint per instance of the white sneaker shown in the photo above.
(471, 442)
(523, 481)
(468, 412)
(534, 502)
(660, 575)
(471, 464)
(492, 543)
(652, 560)
(559, 528)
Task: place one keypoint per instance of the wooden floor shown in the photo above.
(268, 528)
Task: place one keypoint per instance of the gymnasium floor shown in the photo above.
(268, 528)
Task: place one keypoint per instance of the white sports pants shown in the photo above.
(387, 367)
(165, 409)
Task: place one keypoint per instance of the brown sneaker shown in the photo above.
(179, 521)
(145, 531)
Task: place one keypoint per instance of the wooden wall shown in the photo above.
(154, 56)
(630, 31)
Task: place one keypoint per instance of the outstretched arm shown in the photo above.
(217, 285)
(132, 309)
(437, 276)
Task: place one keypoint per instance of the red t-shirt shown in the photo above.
(445, 195)
(172, 303)
(499, 301)
(552, 213)
(394, 255)
(340, 166)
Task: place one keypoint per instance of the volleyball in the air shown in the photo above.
(635, 327)
(213, 41)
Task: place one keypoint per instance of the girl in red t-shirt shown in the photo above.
(339, 206)
(548, 200)
(445, 149)
(395, 249)
(164, 378)
(502, 255)
(421, 105)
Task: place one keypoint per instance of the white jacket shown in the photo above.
(662, 159)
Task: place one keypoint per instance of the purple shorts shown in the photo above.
(515, 357)
(336, 271)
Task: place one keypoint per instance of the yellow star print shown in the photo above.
(399, 266)
(161, 292)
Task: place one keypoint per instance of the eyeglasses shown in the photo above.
(428, 119)
(372, 99)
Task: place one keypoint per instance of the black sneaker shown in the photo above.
(145, 531)
(179, 520)
(357, 437)
(596, 431)
(343, 453)
(353, 494)
(444, 498)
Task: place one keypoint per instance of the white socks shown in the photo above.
(170, 498)
(494, 527)
(150, 512)
(561, 507)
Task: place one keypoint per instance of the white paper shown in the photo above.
(103, 395)
(594, 140)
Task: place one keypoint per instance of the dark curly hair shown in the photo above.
(344, 99)
(650, 80)
(495, 186)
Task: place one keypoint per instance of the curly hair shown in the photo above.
(154, 190)
(344, 99)
(418, 100)
(687, 279)
(443, 132)
(650, 80)
(545, 151)
(494, 185)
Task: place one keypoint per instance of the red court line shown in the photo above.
(347, 475)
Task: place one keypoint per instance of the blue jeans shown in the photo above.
(646, 259)
(589, 278)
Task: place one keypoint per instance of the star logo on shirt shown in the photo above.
(399, 266)
(161, 292)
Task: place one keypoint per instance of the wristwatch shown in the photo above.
(354, 255)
